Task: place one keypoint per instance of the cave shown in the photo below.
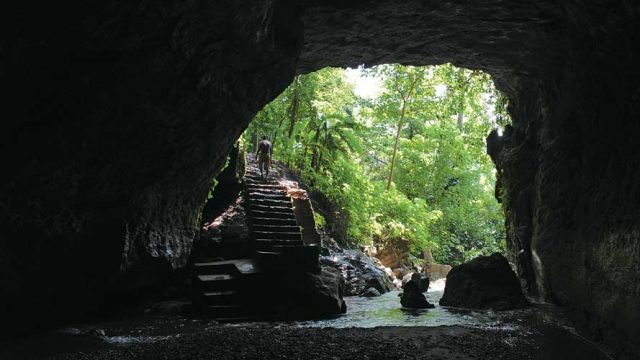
(118, 115)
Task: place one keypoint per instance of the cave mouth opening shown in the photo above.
(395, 158)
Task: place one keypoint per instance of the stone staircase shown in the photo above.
(276, 235)
(218, 287)
(272, 221)
(223, 289)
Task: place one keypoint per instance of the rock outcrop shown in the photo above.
(119, 114)
(412, 296)
(226, 236)
(359, 271)
(437, 271)
(486, 282)
(310, 295)
(395, 258)
(434, 270)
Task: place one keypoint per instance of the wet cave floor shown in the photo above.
(373, 328)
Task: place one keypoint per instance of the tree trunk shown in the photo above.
(314, 154)
(295, 105)
(405, 100)
(395, 144)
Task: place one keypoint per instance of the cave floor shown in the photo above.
(222, 342)
(164, 334)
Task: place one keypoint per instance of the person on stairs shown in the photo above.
(263, 155)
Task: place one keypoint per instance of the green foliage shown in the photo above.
(214, 183)
(409, 167)
(319, 220)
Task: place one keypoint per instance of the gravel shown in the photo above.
(223, 342)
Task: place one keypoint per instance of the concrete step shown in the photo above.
(272, 209)
(215, 267)
(277, 235)
(275, 197)
(269, 195)
(267, 258)
(256, 179)
(264, 194)
(271, 243)
(256, 191)
(280, 196)
(221, 297)
(276, 228)
(272, 215)
(270, 202)
(265, 186)
(251, 174)
(216, 282)
(269, 221)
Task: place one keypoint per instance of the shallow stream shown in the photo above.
(386, 311)
(544, 328)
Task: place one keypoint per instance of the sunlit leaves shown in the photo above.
(441, 193)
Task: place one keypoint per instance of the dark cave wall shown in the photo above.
(570, 170)
(117, 118)
(119, 115)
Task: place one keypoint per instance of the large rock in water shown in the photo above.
(486, 282)
(310, 295)
(359, 271)
(413, 297)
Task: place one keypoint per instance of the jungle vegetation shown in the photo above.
(408, 166)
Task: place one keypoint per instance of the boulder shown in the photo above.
(486, 282)
(394, 256)
(359, 271)
(437, 271)
(400, 272)
(371, 292)
(434, 270)
(406, 278)
(310, 295)
(412, 297)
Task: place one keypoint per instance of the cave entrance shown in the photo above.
(394, 158)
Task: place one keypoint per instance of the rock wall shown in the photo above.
(573, 216)
(116, 118)
(118, 115)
